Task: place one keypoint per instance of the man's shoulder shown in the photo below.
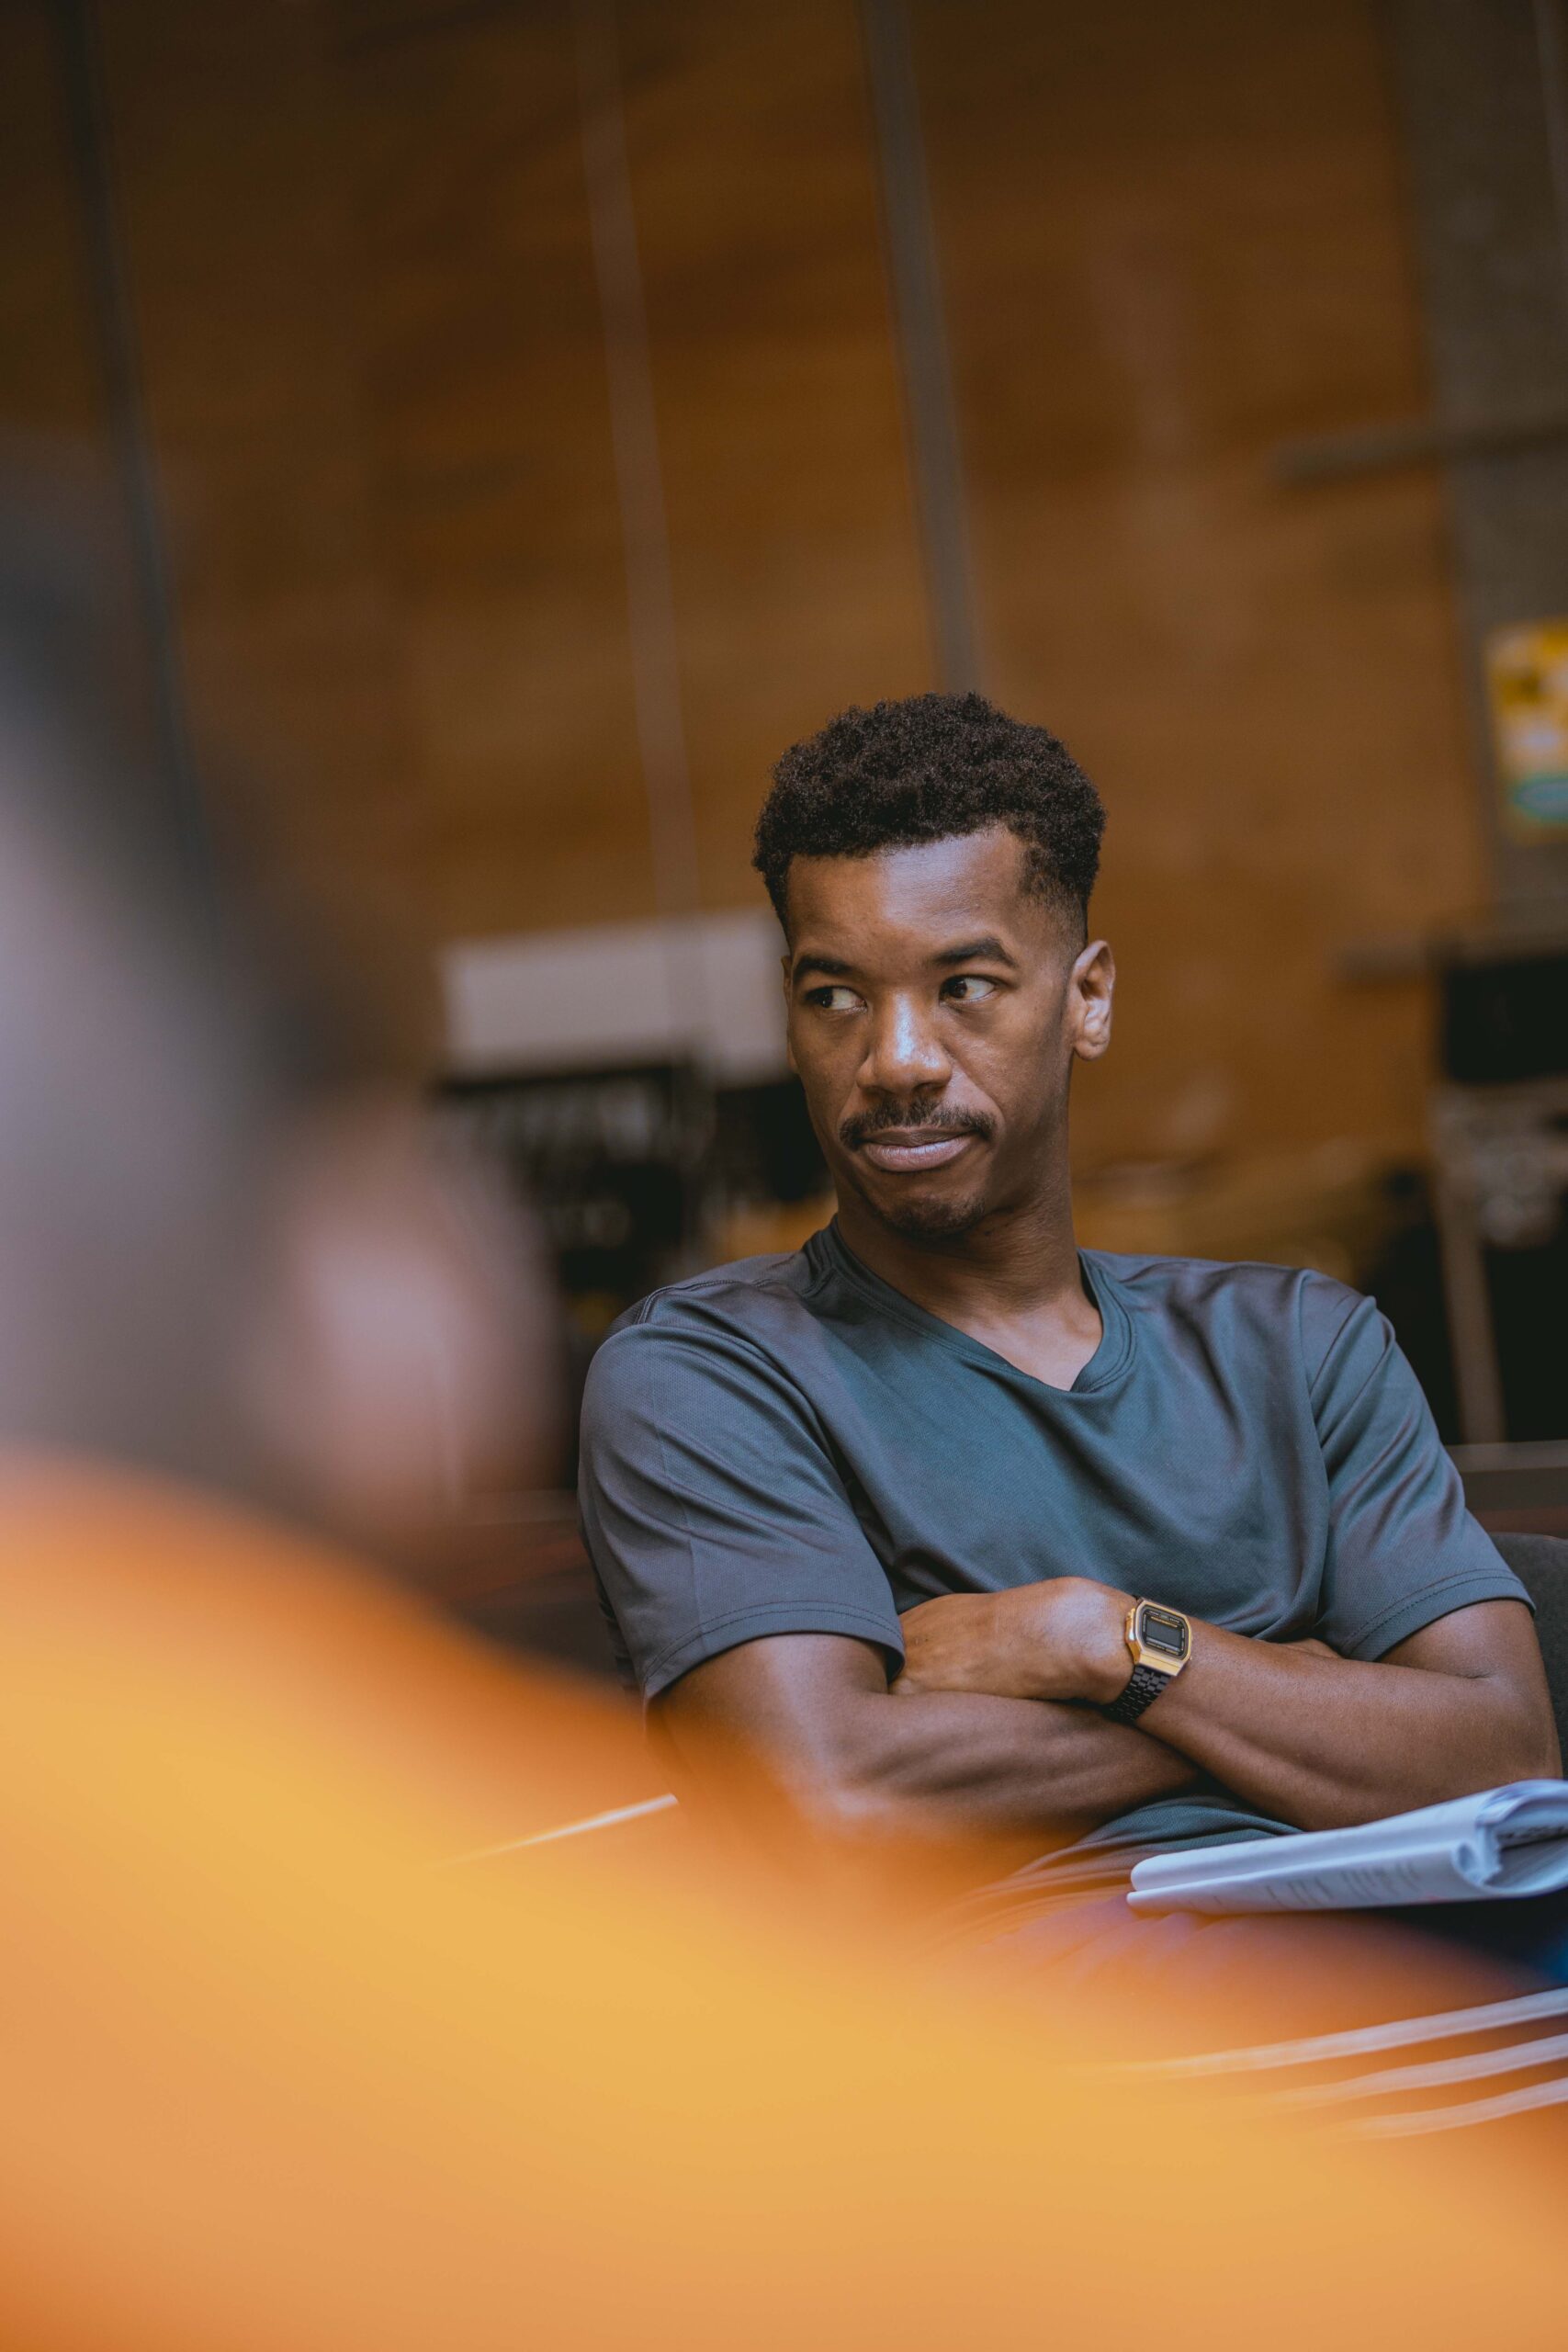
(1239, 1290)
(756, 1308)
(749, 1295)
(740, 1329)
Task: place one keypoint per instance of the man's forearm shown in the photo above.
(1315, 1739)
(816, 1712)
(969, 1762)
(1322, 1741)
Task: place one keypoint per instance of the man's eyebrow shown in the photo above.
(989, 950)
(829, 964)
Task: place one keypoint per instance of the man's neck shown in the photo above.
(1013, 1281)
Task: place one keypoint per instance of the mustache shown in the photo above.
(934, 1121)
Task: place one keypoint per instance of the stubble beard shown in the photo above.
(936, 1221)
(930, 1220)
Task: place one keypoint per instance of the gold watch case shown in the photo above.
(1155, 1654)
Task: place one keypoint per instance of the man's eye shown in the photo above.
(833, 1000)
(968, 988)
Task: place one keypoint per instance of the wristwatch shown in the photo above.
(1160, 1640)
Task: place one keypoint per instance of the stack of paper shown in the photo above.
(1507, 1841)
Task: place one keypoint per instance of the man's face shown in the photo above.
(935, 1007)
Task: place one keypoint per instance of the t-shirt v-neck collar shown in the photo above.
(1110, 1360)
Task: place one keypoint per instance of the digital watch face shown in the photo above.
(1162, 1633)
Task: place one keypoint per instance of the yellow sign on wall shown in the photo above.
(1527, 670)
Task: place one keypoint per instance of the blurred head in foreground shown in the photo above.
(227, 1246)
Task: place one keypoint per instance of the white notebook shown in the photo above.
(1508, 1841)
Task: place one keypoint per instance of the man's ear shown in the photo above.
(1090, 989)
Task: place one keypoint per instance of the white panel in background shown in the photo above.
(707, 986)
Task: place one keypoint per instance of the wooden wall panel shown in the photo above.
(797, 577)
(1172, 239)
(484, 400)
(225, 148)
(387, 402)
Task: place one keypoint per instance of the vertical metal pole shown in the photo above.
(114, 319)
(1473, 1336)
(915, 284)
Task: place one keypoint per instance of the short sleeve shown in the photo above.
(1403, 1549)
(712, 1508)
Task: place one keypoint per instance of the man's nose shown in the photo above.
(906, 1053)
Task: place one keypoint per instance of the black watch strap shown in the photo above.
(1143, 1686)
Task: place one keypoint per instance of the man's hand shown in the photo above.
(1065, 1639)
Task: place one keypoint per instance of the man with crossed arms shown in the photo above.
(884, 1509)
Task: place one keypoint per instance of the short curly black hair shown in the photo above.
(922, 770)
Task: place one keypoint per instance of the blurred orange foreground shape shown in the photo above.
(278, 2076)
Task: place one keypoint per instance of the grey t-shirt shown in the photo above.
(790, 1445)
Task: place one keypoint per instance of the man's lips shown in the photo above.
(908, 1151)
